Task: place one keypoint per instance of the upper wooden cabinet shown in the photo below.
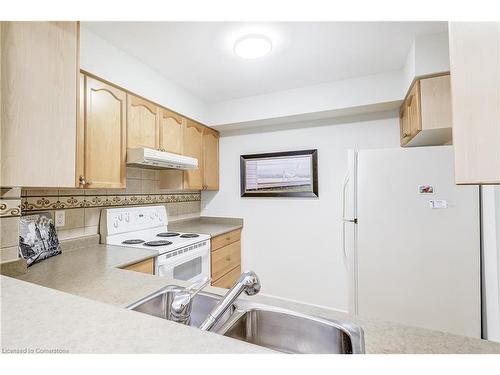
(39, 87)
(193, 146)
(142, 123)
(475, 82)
(171, 131)
(425, 115)
(210, 159)
(104, 132)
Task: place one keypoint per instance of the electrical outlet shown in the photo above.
(60, 218)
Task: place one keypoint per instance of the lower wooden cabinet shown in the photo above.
(226, 259)
(228, 280)
(146, 266)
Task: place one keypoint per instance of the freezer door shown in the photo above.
(417, 265)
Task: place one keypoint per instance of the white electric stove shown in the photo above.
(182, 256)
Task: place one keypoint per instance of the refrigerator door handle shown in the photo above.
(344, 219)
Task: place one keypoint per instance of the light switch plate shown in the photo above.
(60, 218)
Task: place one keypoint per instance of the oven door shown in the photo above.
(193, 265)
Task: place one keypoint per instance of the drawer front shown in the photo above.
(228, 280)
(225, 259)
(144, 267)
(225, 239)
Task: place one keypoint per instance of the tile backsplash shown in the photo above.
(10, 211)
(83, 207)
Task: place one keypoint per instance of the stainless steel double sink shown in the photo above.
(267, 326)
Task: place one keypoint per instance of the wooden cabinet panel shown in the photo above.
(210, 159)
(436, 102)
(225, 239)
(225, 259)
(475, 89)
(171, 131)
(146, 266)
(39, 86)
(105, 135)
(142, 123)
(193, 146)
(228, 280)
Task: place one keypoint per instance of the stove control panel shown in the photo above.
(127, 219)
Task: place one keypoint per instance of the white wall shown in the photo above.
(332, 96)
(293, 243)
(428, 54)
(103, 59)
(491, 261)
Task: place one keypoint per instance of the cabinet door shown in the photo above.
(413, 106)
(142, 123)
(475, 93)
(210, 159)
(193, 146)
(404, 124)
(105, 135)
(39, 88)
(171, 131)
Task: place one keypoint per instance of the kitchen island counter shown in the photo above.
(53, 313)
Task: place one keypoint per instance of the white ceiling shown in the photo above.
(199, 55)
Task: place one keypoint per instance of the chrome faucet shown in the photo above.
(180, 308)
(248, 282)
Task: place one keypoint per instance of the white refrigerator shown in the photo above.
(411, 240)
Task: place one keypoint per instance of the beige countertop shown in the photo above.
(214, 226)
(58, 317)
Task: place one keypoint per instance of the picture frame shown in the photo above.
(280, 174)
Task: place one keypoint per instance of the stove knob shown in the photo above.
(120, 217)
(115, 224)
(127, 218)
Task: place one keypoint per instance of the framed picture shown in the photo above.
(280, 174)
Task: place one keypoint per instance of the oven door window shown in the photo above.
(187, 270)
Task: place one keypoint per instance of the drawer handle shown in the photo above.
(228, 258)
(228, 238)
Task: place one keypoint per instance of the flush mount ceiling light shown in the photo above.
(252, 46)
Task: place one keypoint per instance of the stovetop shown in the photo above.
(144, 227)
(156, 239)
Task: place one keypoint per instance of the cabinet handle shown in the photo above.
(228, 258)
(83, 183)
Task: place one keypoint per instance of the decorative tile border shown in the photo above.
(30, 204)
(10, 207)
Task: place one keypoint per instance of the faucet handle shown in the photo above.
(183, 298)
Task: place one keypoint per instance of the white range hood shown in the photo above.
(149, 158)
